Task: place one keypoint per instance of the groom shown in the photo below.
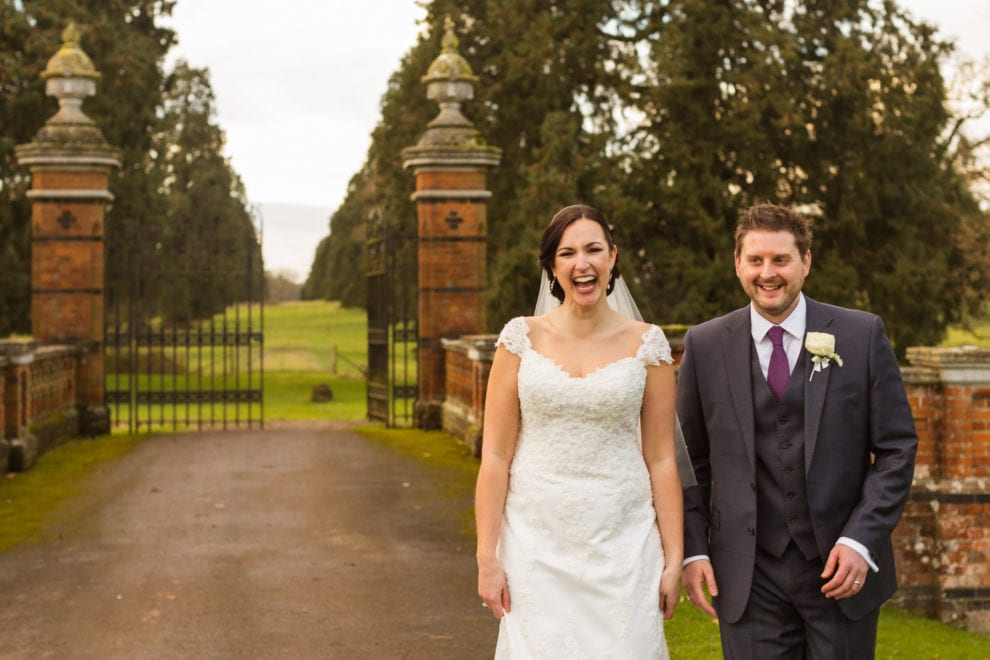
(804, 454)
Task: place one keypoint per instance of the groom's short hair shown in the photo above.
(772, 217)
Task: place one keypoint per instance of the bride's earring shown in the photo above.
(552, 282)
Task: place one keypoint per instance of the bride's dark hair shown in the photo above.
(555, 230)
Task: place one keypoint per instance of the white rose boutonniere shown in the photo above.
(821, 346)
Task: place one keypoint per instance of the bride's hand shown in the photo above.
(670, 590)
(493, 587)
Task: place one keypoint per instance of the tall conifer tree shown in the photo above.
(674, 116)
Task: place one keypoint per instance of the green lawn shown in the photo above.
(300, 336)
(976, 334)
(691, 635)
(301, 339)
(287, 397)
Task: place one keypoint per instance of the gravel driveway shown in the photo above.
(297, 543)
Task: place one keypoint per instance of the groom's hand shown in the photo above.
(697, 574)
(846, 572)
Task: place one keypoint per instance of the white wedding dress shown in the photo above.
(579, 539)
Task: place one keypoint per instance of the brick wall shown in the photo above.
(914, 538)
(468, 363)
(38, 389)
(943, 540)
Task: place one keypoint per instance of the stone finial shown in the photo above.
(450, 137)
(450, 82)
(449, 65)
(71, 61)
(70, 77)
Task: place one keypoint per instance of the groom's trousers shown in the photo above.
(788, 618)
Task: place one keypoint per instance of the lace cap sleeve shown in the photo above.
(515, 336)
(655, 348)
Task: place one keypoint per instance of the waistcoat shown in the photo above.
(781, 489)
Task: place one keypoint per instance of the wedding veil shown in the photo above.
(621, 300)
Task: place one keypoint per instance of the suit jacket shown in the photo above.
(860, 444)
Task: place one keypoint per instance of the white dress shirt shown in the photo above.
(794, 327)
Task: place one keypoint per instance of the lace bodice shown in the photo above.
(602, 406)
(592, 421)
(580, 502)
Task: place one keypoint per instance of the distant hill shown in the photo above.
(291, 234)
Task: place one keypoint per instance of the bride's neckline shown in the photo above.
(593, 371)
(568, 374)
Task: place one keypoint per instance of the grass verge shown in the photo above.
(27, 499)
(439, 450)
(903, 635)
(693, 636)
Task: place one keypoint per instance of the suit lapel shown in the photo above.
(736, 353)
(815, 387)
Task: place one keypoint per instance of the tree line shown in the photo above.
(673, 116)
(179, 208)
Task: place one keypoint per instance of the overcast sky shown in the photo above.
(298, 89)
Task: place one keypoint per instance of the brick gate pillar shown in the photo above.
(70, 163)
(450, 163)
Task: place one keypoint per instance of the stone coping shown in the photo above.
(449, 155)
(964, 365)
(24, 351)
(929, 356)
(451, 194)
(475, 347)
(56, 154)
(57, 194)
(919, 375)
(61, 350)
(17, 346)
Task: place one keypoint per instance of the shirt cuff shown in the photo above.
(859, 548)
(692, 558)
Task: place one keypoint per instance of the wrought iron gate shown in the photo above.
(392, 379)
(184, 331)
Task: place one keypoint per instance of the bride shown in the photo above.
(578, 501)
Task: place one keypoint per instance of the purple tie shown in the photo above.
(778, 372)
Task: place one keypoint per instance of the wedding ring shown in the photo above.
(857, 583)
